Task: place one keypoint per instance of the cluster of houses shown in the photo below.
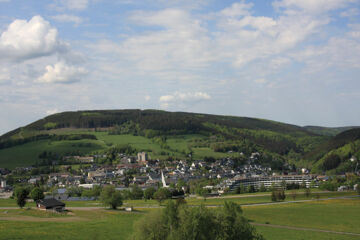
(145, 173)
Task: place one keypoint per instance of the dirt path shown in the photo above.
(304, 229)
(40, 219)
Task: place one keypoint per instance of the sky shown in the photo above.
(294, 61)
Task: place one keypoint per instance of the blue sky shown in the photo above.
(285, 60)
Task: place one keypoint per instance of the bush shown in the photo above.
(111, 197)
(180, 222)
(20, 196)
(161, 194)
(37, 194)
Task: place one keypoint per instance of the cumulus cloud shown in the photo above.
(68, 18)
(180, 99)
(29, 39)
(237, 9)
(62, 73)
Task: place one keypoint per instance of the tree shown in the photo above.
(293, 194)
(262, 188)
(111, 197)
(161, 194)
(37, 194)
(307, 192)
(149, 193)
(181, 222)
(204, 192)
(137, 192)
(252, 189)
(273, 195)
(358, 188)
(20, 195)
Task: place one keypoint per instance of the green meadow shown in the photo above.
(340, 215)
(176, 147)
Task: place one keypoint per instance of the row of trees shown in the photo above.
(22, 193)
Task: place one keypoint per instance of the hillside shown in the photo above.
(327, 131)
(165, 135)
(334, 155)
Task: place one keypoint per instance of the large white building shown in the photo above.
(269, 181)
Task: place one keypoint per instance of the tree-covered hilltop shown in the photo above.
(166, 135)
(335, 154)
(327, 131)
(166, 122)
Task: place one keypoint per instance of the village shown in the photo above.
(211, 178)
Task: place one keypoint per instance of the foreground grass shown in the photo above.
(287, 234)
(95, 224)
(335, 215)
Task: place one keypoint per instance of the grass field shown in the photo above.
(336, 215)
(240, 199)
(333, 215)
(288, 234)
(94, 224)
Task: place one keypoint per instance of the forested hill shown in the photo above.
(328, 131)
(165, 122)
(164, 134)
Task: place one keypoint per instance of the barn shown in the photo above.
(50, 204)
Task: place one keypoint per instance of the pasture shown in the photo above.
(278, 221)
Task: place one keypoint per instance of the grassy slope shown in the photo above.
(27, 154)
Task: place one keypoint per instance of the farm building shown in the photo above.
(50, 204)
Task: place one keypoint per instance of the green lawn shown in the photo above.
(240, 199)
(287, 234)
(99, 224)
(335, 215)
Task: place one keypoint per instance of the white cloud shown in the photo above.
(352, 12)
(179, 99)
(237, 9)
(260, 80)
(70, 4)
(311, 6)
(4, 75)
(29, 39)
(147, 98)
(68, 18)
(52, 111)
(62, 73)
(76, 4)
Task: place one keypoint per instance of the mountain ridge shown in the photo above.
(167, 135)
